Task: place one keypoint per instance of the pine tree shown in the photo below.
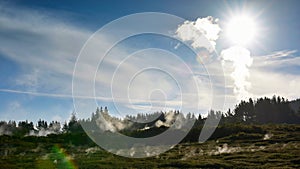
(42, 125)
(73, 123)
(65, 127)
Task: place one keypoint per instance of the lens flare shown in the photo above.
(62, 159)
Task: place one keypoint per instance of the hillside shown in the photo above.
(262, 133)
(262, 146)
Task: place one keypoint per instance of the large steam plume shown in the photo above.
(203, 33)
(241, 59)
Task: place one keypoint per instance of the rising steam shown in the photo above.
(108, 123)
(203, 33)
(241, 60)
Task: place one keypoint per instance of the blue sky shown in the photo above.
(40, 42)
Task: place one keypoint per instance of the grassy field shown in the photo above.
(268, 146)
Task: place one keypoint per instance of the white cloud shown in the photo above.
(14, 110)
(29, 81)
(246, 76)
(47, 49)
(14, 105)
(201, 33)
(280, 54)
(272, 75)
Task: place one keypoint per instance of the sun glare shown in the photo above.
(241, 30)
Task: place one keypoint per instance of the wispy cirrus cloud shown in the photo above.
(47, 48)
(44, 47)
(276, 74)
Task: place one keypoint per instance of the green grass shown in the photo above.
(236, 150)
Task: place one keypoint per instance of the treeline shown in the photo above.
(275, 110)
(265, 110)
(42, 128)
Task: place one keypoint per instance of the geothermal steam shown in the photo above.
(203, 33)
(241, 60)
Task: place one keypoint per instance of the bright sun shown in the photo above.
(241, 30)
